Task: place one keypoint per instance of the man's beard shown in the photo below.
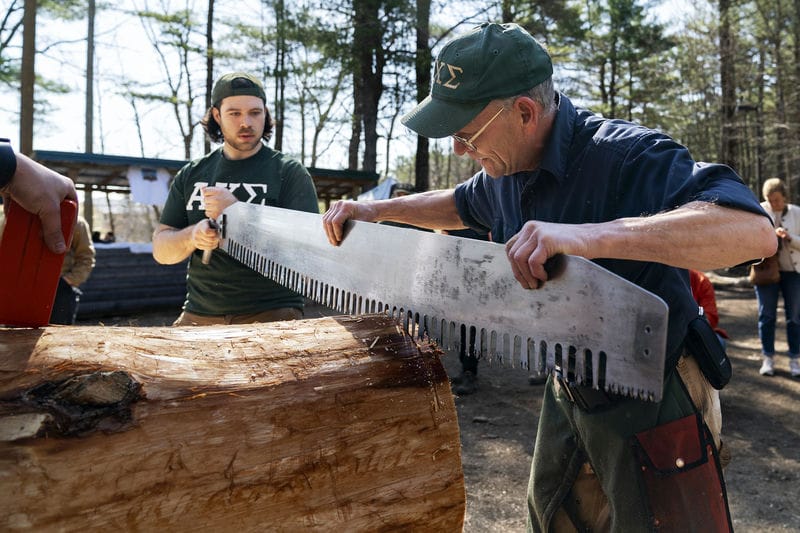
(243, 146)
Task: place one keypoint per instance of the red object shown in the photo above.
(683, 477)
(704, 295)
(29, 271)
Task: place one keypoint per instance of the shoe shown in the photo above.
(794, 367)
(537, 379)
(468, 384)
(768, 366)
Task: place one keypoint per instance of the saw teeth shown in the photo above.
(454, 285)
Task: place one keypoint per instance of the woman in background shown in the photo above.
(786, 217)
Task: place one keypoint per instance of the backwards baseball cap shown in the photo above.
(236, 84)
(492, 61)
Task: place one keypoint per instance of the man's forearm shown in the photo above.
(172, 245)
(432, 210)
(699, 235)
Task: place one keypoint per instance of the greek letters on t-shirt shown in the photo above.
(254, 193)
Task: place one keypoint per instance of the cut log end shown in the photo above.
(339, 423)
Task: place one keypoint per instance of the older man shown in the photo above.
(557, 179)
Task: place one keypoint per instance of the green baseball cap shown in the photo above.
(492, 61)
(236, 84)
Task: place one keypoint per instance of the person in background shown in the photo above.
(706, 298)
(786, 218)
(244, 168)
(38, 190)
(78, 264)
(558, 179)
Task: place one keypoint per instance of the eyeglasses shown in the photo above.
(468, 143)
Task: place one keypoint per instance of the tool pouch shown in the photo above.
(702, 342)
(682, 477)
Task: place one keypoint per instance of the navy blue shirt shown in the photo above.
(596, 170)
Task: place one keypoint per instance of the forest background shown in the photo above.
(133, 77)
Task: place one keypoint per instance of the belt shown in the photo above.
(586, 397)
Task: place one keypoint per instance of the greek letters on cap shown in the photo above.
(454, 72)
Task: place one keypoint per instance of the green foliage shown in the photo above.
(65, 9)
(692, 109)
(621, 50)
(446, 168)
(611, 55)
(11, 26)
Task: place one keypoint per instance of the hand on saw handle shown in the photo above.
(216, 199)
(430, 209)
(532, 250)
(342, 211)
(206, 237)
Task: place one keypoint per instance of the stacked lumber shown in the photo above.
(335, 424)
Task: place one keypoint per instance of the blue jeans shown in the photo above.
(767, 296)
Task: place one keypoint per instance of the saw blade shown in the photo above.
(598, 328)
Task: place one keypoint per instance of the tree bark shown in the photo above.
(27, 78)
(729, 145)
(423, 71)
(279, 112)
(209, 67)
(370, 60)
(353, 148)
(334, 424)
(89, 119)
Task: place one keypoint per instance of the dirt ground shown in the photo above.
(761, 427)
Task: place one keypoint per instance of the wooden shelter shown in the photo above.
(108, 173)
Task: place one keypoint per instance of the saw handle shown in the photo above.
(207, 253)
(555, 266)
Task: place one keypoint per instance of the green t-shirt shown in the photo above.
(225, 286)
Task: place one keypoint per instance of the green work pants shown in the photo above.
(568, 437)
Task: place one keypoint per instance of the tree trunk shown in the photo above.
(209, 67)
(422, 170)
(89, 119)
(279, 113)
(332, 424)
(794, 99)
(28, 78)
(728, 141)
(370, 61)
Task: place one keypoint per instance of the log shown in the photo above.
(335, 424)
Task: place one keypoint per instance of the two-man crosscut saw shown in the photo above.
(598, 328)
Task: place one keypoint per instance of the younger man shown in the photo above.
(243, 169)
